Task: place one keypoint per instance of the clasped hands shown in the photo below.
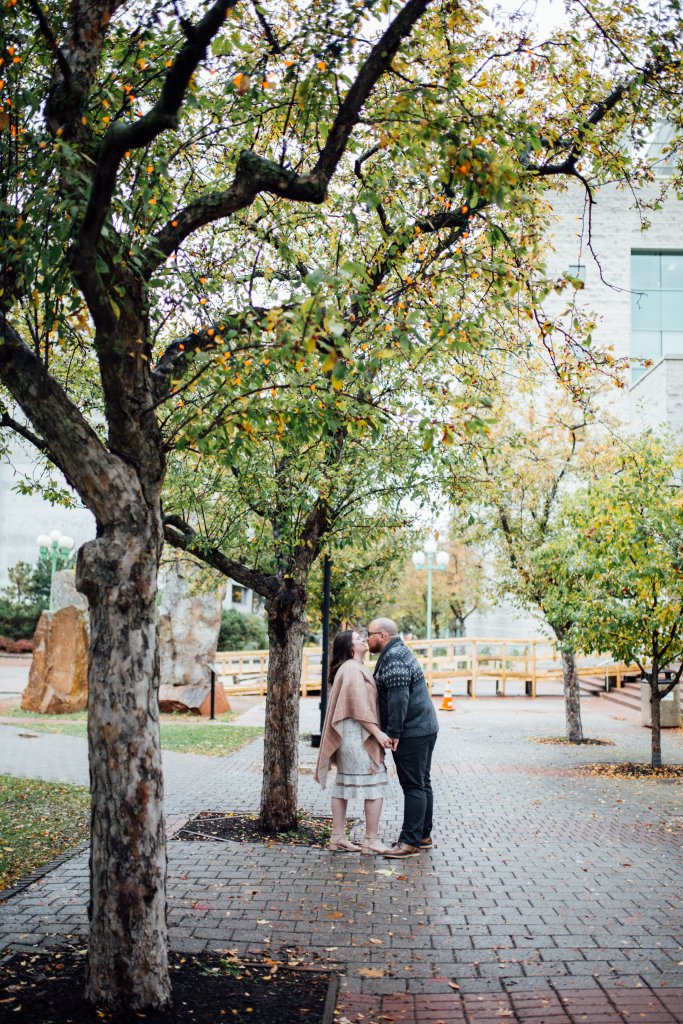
(387, 742)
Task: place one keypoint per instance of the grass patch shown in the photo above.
(186, 736)
(38, 822)
(206, 738)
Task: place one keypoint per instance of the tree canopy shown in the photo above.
(618, 556)
(169, 179)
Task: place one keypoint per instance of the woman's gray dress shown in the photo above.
(355, 776)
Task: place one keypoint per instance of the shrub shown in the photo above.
(241, 632)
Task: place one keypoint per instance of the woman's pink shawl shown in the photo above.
(352, 695)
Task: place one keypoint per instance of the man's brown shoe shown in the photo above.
(427, 843)
(401, 850)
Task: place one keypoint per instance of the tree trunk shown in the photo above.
(286, 634)
(127, 963)
(655, 709)
(572, 698)
(572, 693)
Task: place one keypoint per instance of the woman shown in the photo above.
(353, 741)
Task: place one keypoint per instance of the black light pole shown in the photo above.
(315, 738)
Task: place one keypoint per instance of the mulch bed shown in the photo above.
(631, 770)
(46, 987)
(210, 826)
(563, 741)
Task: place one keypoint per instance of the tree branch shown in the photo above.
(51, 41)
(162, 117)
(68, 439)
(255, 174)
(180, 535)
(599, 112)
(38, 443)
(174, 361)
(267, 30)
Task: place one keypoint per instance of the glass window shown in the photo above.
(672, 270)
(646, 311)
(238, 595)
(645, 270)
(672, 341)
(656, 305)
(646, 344)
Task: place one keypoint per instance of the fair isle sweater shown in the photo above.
(405, 707)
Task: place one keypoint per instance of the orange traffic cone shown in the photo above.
(447, 700)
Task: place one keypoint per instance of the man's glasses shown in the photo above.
(377, 632)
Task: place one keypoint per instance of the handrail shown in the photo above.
(445, 660)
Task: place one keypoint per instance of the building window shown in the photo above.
(656, 306)
(662, 150)
(237, 595)
(577, 270)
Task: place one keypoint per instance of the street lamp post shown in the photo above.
(430, 559)
(51, 544)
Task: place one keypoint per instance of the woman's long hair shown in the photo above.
(342, 650)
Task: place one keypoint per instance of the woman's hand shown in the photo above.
(385, 740)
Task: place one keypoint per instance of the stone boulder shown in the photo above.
(188, 627)
(58, 679)
(64, 593)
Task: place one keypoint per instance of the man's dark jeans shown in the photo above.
(413, 760)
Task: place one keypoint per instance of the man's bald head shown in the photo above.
(387, 626)
(380, 632)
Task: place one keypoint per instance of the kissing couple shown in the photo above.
(366, 716)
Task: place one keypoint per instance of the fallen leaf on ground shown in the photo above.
(371, 972)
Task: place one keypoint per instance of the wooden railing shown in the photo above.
(462, 663)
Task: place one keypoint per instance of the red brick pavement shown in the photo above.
(574, 1006)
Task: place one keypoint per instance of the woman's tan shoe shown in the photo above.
(340, 844)
(372, 845)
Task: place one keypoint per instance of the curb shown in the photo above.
(35, 876)
(331, 1000)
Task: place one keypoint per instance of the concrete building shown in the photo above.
(633, 281)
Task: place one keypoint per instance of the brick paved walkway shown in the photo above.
(551, 896)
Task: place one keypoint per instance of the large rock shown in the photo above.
(64, 593)
(188, 628)
(58, 679)
(194, 700)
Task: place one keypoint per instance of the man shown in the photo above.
(407, 715)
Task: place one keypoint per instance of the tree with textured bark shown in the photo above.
(621, 556)
(519, 475)
(282, 504)
(138, 145)
(129, 135)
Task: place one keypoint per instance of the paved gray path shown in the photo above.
(543, 882)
